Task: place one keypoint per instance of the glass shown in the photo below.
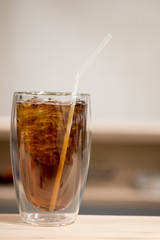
(38, 127)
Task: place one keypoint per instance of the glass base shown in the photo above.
(49, 219)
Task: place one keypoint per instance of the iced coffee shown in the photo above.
(41, 128)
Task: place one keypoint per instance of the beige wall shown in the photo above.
(44, 42)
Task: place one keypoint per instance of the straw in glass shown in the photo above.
(70, 117)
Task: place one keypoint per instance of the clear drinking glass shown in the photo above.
(38, 125)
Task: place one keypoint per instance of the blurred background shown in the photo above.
(43, 43)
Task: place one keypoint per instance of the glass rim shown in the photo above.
(45, 93)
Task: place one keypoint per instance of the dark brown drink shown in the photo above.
(41, 128)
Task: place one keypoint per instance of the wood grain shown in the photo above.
(86, 227)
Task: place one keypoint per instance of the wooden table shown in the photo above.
(86, 227)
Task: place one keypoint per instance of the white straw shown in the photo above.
(89, 61)
(69, 122)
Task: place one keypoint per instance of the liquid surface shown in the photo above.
(41, 128)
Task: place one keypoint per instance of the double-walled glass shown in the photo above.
(49, 167)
